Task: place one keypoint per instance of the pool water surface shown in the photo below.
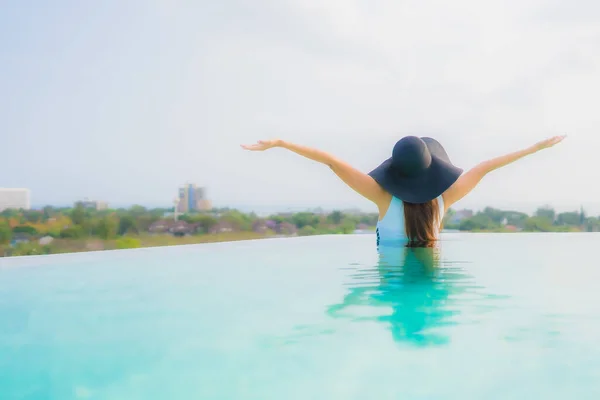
(485, 316)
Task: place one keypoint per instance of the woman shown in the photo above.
(413, 188)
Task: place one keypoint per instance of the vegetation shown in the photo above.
(545, 219)
(60, 230)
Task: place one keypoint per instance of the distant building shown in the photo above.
(161, 226)
(182, 228)
(192, 198)
(16, 199)
(204, 205)
(260, 226)
(221, 227)
(20, 238)
(93, 204)
(286, 228)
(46, 240)
(270, 224)
(176, 228)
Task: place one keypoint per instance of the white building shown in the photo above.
(15, 199)
(93, 204)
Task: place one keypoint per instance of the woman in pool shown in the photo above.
(414, 187)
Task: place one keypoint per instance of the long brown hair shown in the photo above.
(422, 222)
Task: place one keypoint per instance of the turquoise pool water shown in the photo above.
(513, 316)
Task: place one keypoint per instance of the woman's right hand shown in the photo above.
(547, 143)
(262, 145)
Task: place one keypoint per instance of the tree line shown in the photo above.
(124, 225)
(80, 223)
(544, 219)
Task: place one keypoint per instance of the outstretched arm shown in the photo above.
(357, 180)
(468, 181)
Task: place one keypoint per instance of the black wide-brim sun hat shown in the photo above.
(418, 171)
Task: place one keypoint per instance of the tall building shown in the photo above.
(15, 199)
(192, 198)
(183, 205)
(93, 204)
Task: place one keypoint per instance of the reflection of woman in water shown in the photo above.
(412, 290)
(413, 188)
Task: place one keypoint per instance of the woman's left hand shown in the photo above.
(262, 145)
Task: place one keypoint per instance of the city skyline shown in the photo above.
(204, 204)
(528, 207)
(173, 89)
(591, 208)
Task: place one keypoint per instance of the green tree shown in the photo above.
(348, 227)
(448, 217)
(592, 224)
(10, 213)
(5, 232)
(538, 224)
(477, 222)
(127, 224)
(279, 219)
(303, 219)
(239, 220)
(546, 212)
(568, 218)
(369, 219)
(78, 215)
(186, 218)
(72, 232)
(88, 225)
(307, 231)
(30, 230)
(33, 216)
(335, 217)
(107, 227)
(495, 215)
(49, 212)
(515, 218)
(206, 222)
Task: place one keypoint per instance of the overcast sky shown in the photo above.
(125, 100)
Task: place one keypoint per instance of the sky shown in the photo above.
(125, 101)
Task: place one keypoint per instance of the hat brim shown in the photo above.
(430, 184)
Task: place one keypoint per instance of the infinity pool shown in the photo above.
(488, 316)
